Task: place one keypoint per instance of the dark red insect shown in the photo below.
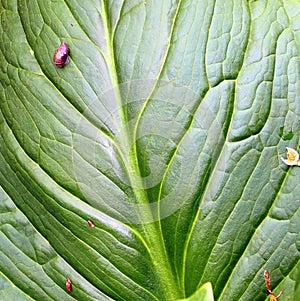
(91, 224)
(68, 285)
(61, 54)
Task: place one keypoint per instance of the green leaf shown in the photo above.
(165, 130)
(204, 293)
(287, 136)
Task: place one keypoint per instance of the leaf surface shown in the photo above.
(165, 130)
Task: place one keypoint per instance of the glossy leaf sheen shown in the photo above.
(166, 130)
(204, 293)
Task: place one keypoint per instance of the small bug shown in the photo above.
(268, 285)
(68, 285)
(61, 54)
(292, 157)
(91, 224)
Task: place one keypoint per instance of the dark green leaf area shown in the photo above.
(25, 258)
(285, 136)
(112, 251)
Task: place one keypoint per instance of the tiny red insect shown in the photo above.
(68, 285)
(61, 54)
(91, 224)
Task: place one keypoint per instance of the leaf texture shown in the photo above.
(165, 130)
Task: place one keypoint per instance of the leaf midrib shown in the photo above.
(152, 235)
